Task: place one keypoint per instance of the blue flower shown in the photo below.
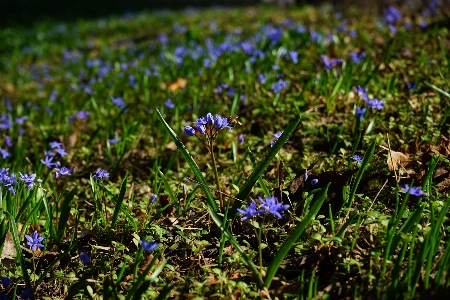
(250, 211)
(188, 130)
(119, 102)
(48, 162)
(329, 63)
(100, 174)
(114, 141)
(149, 246)
(277, 136)
(240, 138)
(56, 145)
(153, 198)
(63, 171)
(26, 294)
(359, 114)
(314, 181)
(5, 154)
(29, 180)
(84, 257)
(358, 158)
(169, 104)
(271, 205)
(278, 86)
(262, 79)
(375, 104)
(357, 57)
(61, 152)
(414, 191)
(34, 241)
(294, 56)
(5, 281)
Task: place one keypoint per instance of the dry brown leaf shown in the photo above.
(171, 146)
(179, 84)
(9, 250)
(396, 159)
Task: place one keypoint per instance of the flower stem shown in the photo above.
(258, 236)
(216, 175)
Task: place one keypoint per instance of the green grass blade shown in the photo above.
(16, 239)
(119, 201)
(260, 180)
(412, 221)
(346, 224)
(65, 212)
(365, 163)
(319, 198)
(193, 166)
(236, 246)
(261, 167)
(123, 208)
(169, 190)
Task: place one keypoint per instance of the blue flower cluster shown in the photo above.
(207, 124)
(370, 103)
(269, 204)
(57, 149)
(329, 63)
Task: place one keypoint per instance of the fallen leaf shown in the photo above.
(171, 146)
(396, 159)
(179, 84)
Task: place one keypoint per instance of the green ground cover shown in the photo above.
(239, 153)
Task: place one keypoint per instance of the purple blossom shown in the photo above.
(271, 205)
(48, 162)
(411, 86)
(359, 114)
(8, 180)
(376, 104)
(357, 57)
(240, 138)
(314, 181)
(34, 241)
(414, 191)
(250, 211)
(276, 136)
(278, 86)
(29, 180)
(391, 15)
(188, 130)
(21, 120)
(392, 28)
(153, 198)
(262, 79)
(114, 141)
(4, 122)
(64, 171)
(61, 152)
(149, 246)
(7, 140)
(119, 102)
(294, 56)
(330, 63)
(4, 153)
(169, 104)
(56, 145)
(358, 158)
(84, 257)
(100, 174)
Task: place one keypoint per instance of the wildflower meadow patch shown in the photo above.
(240, 153)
